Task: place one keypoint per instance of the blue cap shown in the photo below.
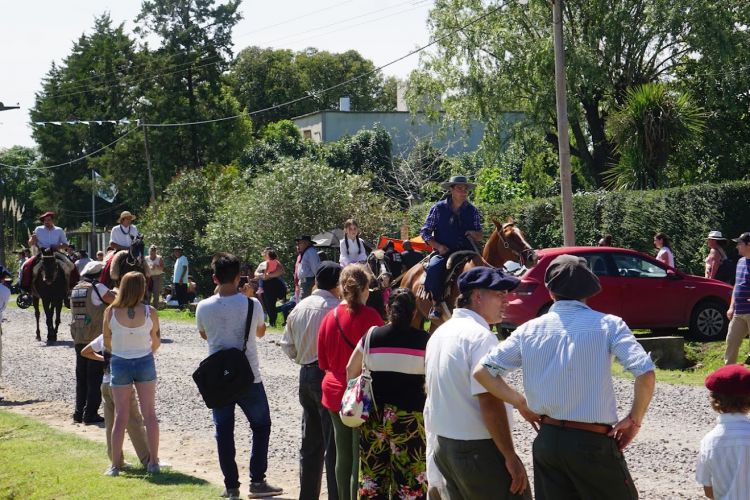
(488, 278)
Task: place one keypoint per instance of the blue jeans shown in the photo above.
(435, 275)
(255, 406)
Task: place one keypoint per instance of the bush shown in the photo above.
(686, 214)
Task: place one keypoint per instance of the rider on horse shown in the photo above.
(48, 235)
(450, 226)
(124, 233)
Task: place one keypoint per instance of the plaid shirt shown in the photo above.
(448, 227)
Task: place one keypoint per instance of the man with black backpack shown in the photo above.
(222, 320)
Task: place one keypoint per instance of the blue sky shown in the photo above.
(36, 32)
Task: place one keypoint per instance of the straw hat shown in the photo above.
(126, 215)
(716, 235)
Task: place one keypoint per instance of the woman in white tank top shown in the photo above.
(664, 244)
(131, 335)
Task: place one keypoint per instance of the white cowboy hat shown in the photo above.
(126, 215)
(716, 235)
(93, 267)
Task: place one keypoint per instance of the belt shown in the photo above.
(583, 426)
(314, 364)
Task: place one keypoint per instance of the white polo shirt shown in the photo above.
(453, 351)
(123, 236)
(724, 459)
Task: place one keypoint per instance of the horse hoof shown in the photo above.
(50, 343)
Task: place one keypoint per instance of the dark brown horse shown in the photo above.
(51, 286)
(506, 243)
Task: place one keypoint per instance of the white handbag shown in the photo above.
(358, 400)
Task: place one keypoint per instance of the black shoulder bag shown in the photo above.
(223, 377)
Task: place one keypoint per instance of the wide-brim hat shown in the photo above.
(46, 214)
(716, 235)
(93, 267)
(457, 179)
(488, 278)
(178, 247)
(126, 215)
(304, 237)
(569, 277)
(744, 238)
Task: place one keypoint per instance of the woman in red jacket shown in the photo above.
(340, 331)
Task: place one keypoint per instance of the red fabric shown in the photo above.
(333, 351)
(417, 244)
(26, 274)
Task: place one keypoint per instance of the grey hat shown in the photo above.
(92, 268)
(716, 235)
(457, 179)
(569, 277)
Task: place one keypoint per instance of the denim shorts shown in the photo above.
(127, 371)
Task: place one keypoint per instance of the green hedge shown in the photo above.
(686, 214)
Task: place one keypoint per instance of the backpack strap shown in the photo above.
(248, 322)
(341, 330)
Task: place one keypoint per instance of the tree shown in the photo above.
(17, 210)
(196, 46)
(504, 61)
(647, 129)
(295, 197)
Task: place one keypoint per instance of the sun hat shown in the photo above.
(569, 277)
(488, 278)
(126, 215)
(93, 267)
(304, 237)
(716, 235)
(730, 379)
(46, 214)
(457, 179)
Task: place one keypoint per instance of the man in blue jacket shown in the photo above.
(450, 226)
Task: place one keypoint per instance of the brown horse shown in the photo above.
(506, 242)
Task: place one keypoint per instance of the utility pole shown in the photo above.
(94, 244)
(563, 141)
(148, 161)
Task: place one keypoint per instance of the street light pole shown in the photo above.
(148, 161)
(563, 142)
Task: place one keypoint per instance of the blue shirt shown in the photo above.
(449, 227)
(309, 264)
(48, 238)
(741, 291)
(566, 358)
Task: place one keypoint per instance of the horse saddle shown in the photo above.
(65, 263)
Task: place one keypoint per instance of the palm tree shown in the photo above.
(647, 129)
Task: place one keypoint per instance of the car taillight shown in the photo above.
(525, 288)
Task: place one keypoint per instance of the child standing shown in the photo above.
(724, 462)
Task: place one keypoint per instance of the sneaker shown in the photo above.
(153, 468)
(163, 464)
(112, 471)
(231, 494)
(264, 490)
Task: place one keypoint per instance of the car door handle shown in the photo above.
(690, 287)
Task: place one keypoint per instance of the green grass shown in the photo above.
(37, 461)
(703, 357)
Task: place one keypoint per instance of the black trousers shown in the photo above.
(180, 292)
(273, 290)
(89, 375)
(317, 438)
(571, 464)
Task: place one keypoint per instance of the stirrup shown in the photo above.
(435, 312)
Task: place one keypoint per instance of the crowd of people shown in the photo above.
(442, 414)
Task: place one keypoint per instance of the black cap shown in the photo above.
(489, 278)
(304, 237)
(744, 238)
(327, 275)
(569, 277)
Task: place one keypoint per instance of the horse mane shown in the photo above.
(119, 262)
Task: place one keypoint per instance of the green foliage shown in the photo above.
(652, 123)
(17, 210)
(295, 197)
(494, 185)
(686, 214)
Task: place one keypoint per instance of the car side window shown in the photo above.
(597, 263)
(632, 266)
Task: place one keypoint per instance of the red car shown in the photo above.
(644, 292)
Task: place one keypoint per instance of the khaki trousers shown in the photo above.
(158, 284)
(739, 328)
(135, 429)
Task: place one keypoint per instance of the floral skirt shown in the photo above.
(393, 455)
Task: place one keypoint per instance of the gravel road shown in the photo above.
(39, 381)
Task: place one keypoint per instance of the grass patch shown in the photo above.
(37, 461)
(704, 358)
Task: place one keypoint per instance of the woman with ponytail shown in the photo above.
(341, 330)
(352, 247)
(392, 441)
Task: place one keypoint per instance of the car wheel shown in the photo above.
(709, 320)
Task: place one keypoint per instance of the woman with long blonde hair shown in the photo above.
(131, 335)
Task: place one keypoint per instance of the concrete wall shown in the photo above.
(404, 128)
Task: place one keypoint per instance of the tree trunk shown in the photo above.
(193, 132)
(602, 155)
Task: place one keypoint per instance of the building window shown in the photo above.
(307, 134)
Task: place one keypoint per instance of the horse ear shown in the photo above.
(510, 220)
(497, 224)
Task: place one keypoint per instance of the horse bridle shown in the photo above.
(524, 255)
(44, 271)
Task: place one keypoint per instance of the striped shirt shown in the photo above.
(566, 357)
(396, 360)
(741, 291)
(724, 459)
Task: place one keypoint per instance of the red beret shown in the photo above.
(731, 379)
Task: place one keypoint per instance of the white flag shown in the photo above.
(104, 191)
